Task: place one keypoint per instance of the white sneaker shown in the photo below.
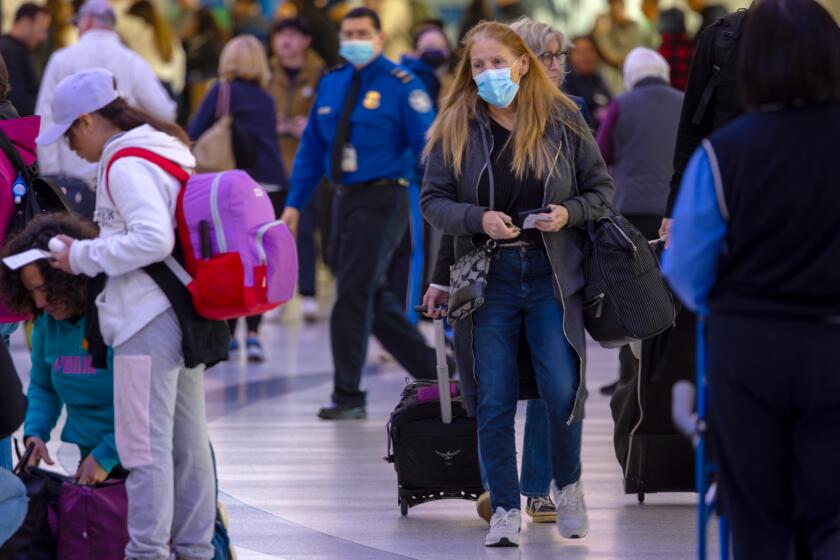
(310, 309)
(572, 521)
(504, 528)
(275, 315)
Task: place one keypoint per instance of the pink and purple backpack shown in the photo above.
(239, 259)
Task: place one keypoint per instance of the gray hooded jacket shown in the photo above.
(580, 182)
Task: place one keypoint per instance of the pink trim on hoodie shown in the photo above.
(22, 132)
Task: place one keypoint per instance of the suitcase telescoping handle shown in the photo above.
(442, 369)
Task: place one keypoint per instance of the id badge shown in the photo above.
(349, 161)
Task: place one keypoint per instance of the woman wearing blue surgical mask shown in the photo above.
(430, 60)
(509, 129)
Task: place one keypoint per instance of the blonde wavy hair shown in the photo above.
(538, 104)
(244, 58)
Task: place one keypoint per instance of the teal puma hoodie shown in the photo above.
(62, 375)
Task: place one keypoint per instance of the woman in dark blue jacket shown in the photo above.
(244, 68)
(754, 248)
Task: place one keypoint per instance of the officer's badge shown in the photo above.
(420, 101)
(324, 110)
(372, 100)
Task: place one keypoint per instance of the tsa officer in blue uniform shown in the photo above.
(367, 114)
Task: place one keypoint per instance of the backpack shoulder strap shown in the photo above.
(167, 165)
(13, 155)
(728, 33)
(223, 99)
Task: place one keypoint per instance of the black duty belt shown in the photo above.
(356, 187)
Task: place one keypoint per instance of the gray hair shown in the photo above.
(642, 63)
(537, 35)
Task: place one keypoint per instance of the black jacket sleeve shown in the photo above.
(689, 135)
(12, 400)
(445, 259)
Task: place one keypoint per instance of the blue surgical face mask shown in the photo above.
(357, 53)
(496, 88)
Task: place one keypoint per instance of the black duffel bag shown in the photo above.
(625, 298)
(34, 539)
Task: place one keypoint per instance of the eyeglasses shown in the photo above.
(547, 58)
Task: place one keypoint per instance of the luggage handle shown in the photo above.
(442, 369)
(442, 373)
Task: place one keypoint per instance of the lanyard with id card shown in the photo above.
(349, 159)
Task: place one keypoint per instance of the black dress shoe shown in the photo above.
(336, 412)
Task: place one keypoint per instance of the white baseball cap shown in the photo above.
(99, 9)
(84, 92)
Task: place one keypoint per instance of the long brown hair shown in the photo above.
(126, 117)
(539, 104)
(164, 42)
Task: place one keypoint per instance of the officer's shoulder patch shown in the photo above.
(332, 69)
(402, 75)
(420, 101)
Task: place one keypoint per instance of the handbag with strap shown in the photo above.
(90, 521)
(468, 276)
(213, 150)
(34, 539)
(625, 297)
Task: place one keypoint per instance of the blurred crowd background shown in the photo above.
(183, 39)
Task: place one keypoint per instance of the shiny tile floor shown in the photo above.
(300, 488)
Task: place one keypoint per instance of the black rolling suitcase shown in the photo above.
(431, 441)
(653, 454)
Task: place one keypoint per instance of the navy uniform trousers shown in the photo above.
(774, 404)
(370, 223)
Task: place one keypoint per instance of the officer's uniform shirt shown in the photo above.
(392, 114)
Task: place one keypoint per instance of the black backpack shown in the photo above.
(729, 31)
(34, 540)
(33, 195)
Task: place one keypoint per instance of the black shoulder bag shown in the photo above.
(625, 297)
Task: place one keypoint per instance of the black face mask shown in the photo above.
(436, 58)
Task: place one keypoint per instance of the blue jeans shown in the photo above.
(520, 295)
(13, 504)
(6, 330)
(535, 477)
(536, 460)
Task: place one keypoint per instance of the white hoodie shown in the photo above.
(137, 228)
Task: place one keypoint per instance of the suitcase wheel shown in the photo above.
(403, 506)
(641, 497)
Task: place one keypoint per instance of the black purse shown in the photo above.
(468, 276)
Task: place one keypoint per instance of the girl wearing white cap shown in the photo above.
(161, 430)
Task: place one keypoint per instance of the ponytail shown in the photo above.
(125, 117)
